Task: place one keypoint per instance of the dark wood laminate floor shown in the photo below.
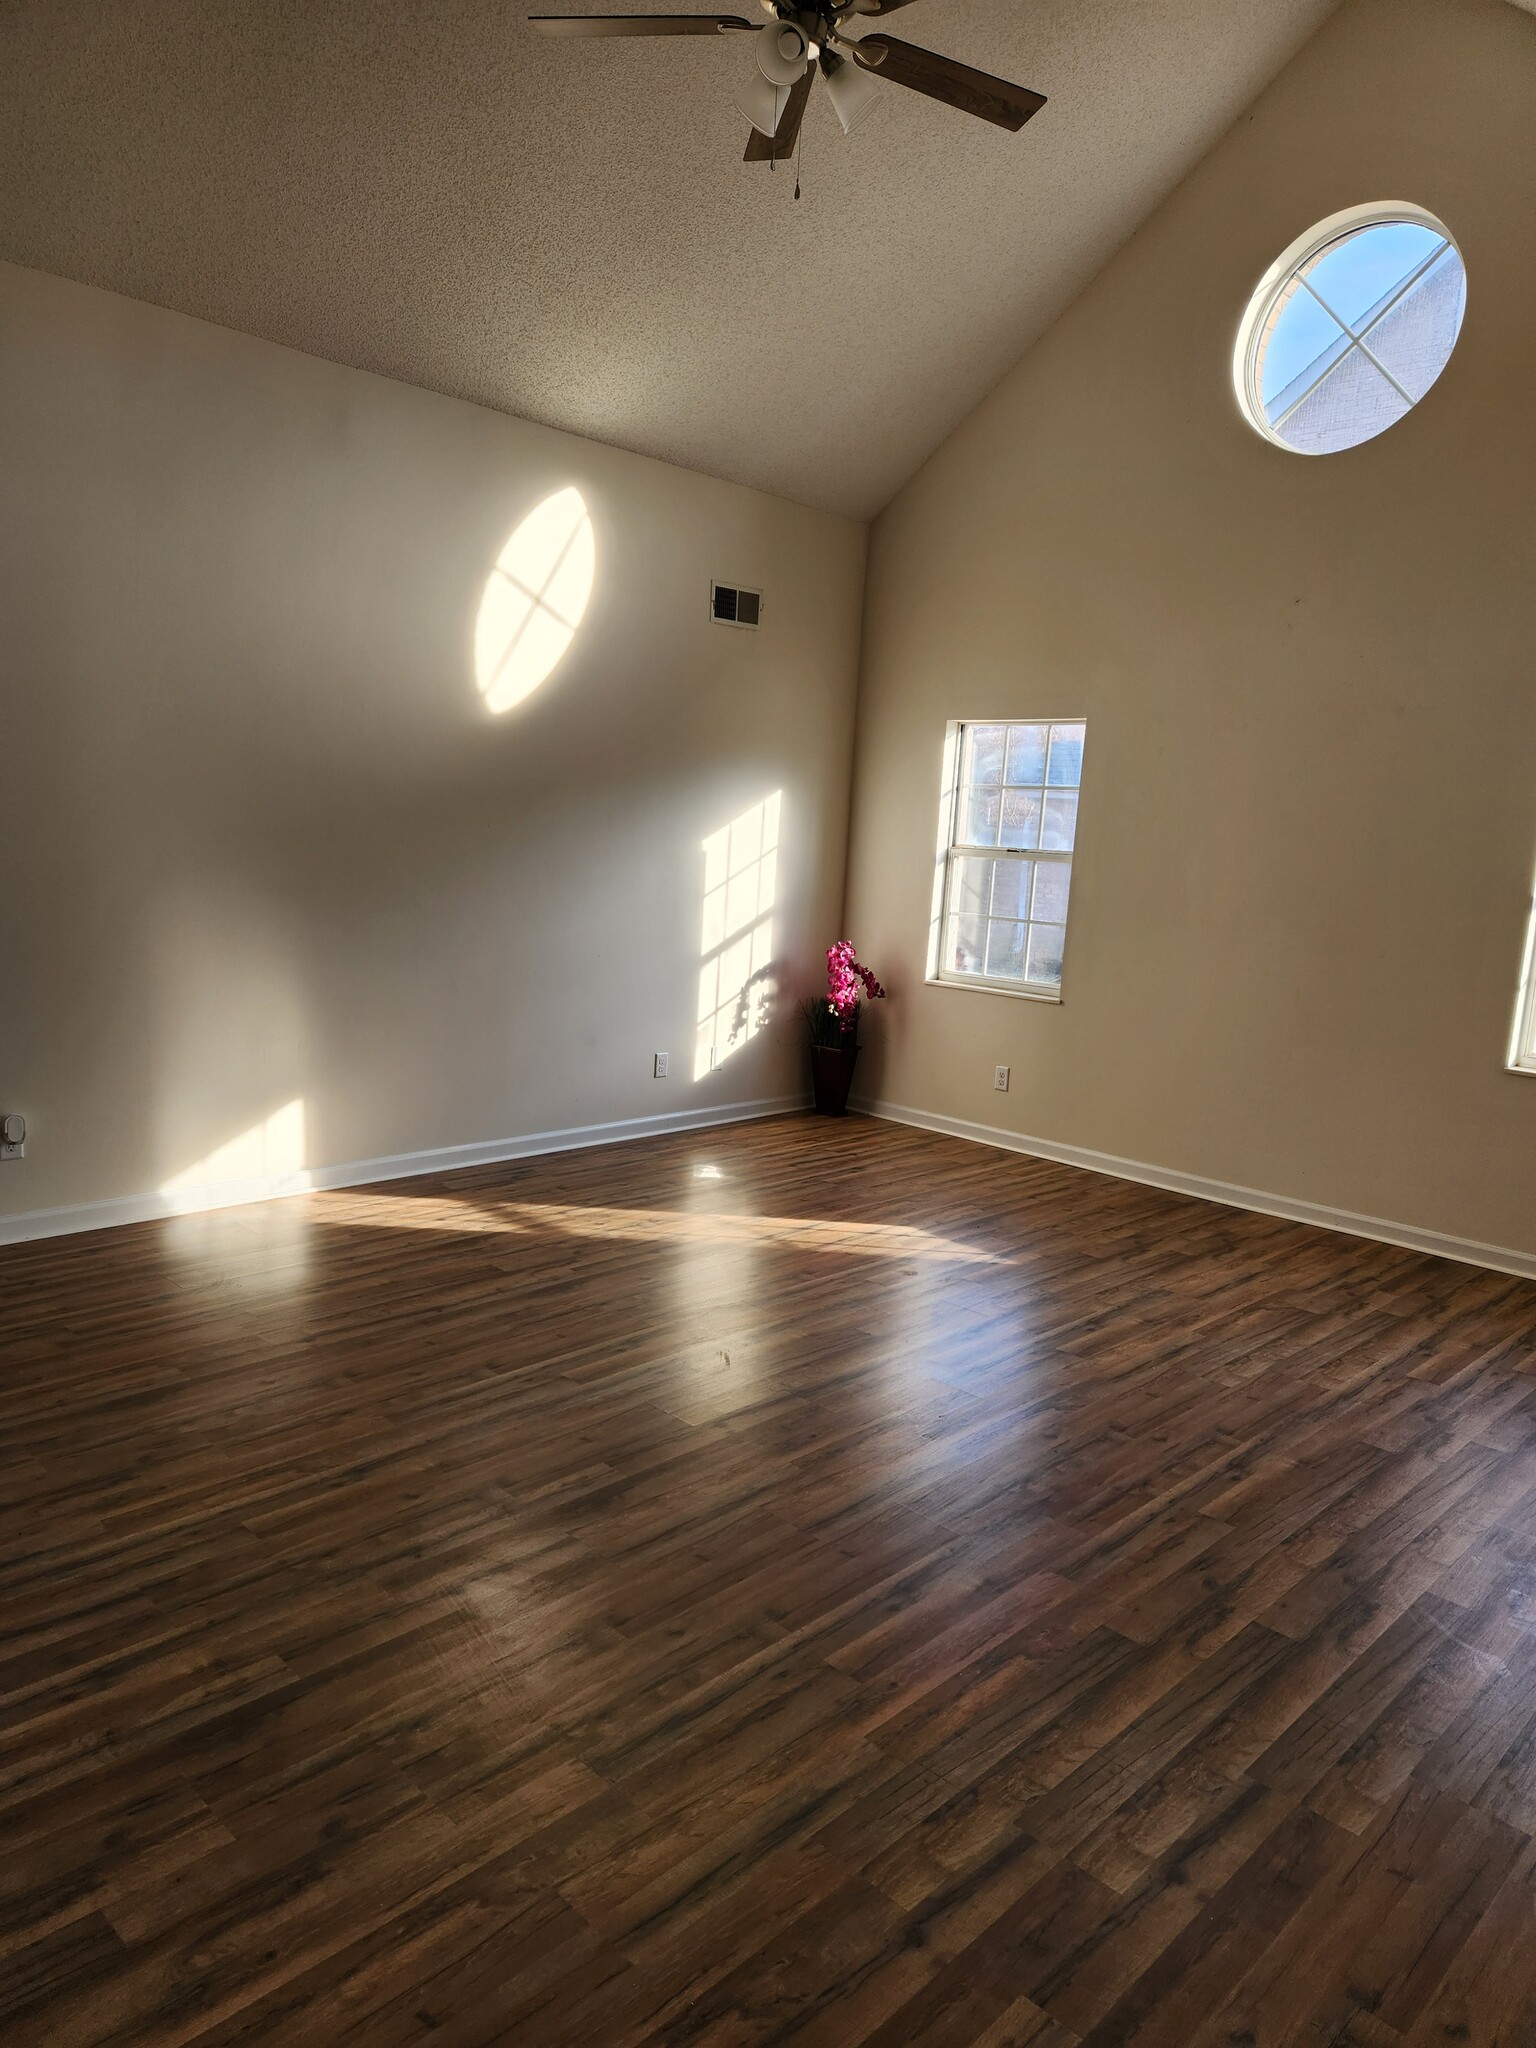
(814, 1583)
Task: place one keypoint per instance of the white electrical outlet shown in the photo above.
(13, 1137)
(659, 1070)
(1000, 1079)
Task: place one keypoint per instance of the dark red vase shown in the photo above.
(832, 1077)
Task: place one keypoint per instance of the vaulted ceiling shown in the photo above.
(567, 231)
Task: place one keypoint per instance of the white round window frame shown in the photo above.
(1245, 357)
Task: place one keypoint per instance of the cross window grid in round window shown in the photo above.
(1350, 328)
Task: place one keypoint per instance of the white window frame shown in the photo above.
(1522, 1040)
(1255, 320)
(949, 849)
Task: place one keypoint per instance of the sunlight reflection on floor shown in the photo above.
(649, 1226)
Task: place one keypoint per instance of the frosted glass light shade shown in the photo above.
(782, 52)
(762, 103)
(852, 91)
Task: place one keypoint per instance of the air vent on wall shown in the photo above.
(732, 607)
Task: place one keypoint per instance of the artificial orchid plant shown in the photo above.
(834, 1017)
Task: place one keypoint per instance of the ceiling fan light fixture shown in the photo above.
(761, 104)
(782, 52)
(852, 91)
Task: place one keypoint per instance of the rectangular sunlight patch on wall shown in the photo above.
(740, 879)
(267, 1159)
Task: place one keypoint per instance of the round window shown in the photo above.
(1350, 328)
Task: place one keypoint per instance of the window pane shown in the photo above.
(967, 948)
(1053, 878)
(1060, 829)
(1026, 753)
(1393, 288)
(1005, 950)
(1353, 403)
(1046, 942)
(1005, 912)
(1021, 817)
(979, 811)
(971, 887)
(1010, 888)
(1413, 341)
(1354, 275)
(984, 753)
(1066, 756)
(1300, 343)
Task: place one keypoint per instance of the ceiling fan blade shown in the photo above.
(585, 25)
(780, 146)
(876, 6)
(957, 85)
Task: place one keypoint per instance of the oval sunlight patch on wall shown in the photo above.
(534, 600)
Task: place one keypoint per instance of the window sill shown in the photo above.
(994, 988)
(1521, 1067)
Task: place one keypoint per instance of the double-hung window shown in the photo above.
(1008, 826)
(1522, 1051)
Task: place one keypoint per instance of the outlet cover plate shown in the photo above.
(1000, 1079)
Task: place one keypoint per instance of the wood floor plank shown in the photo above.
(808, 1581)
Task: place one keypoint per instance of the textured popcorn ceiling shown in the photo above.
(566, 231)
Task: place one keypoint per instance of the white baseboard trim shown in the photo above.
(1501, 1258)
(120, 1209)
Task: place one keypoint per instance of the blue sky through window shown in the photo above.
(1355, 277)
(1302, 335)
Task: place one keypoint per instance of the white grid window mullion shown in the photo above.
(1357, 336)
(950, 913)
(1320, 379)
(987, 915)
(957, 799)
(1295, 278)
(1399, 292)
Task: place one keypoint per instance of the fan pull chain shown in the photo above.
(799, 159)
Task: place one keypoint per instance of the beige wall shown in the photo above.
(1309, 813)
(261, 842)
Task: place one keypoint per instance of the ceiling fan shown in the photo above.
(796, 43)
